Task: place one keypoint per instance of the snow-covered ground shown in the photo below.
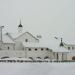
(37, 68)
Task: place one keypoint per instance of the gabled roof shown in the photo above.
(7, 39)
(17, 35)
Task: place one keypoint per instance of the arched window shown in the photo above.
(39, 57)
(46, 57)
(4, 57)
(30, 58)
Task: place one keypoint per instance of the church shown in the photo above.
(26, 45)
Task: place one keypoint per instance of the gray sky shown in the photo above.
(39, 16)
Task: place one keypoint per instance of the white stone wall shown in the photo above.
(72, 47)
(18, 46)
(65, 56)
(12, 53)
(61, 56)
(6, 45)
(70, 55)
(26, 53)
(38, 53)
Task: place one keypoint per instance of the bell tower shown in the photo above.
(20, 27)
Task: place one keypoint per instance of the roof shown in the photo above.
(69, 40)
(17, 35)
(50, 43)
(61, 49)
(7, 39)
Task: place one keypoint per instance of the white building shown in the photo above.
(25, 45)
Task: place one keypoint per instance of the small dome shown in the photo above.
(61, 44)
(20, 25)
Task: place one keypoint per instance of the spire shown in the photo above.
(20, 25)
(61, 43)
(20, 21)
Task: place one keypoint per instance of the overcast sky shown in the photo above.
(39, 16)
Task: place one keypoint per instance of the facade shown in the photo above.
(18, 46)
(25, 45)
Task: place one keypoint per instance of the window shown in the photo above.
(47, 49)
(46, 57)
(41, 49)
(26, 40)
(8, 48)
(4, 57)
(68, 48)
(29, 49)
(72, 48)
(30, 58)
(35, 49)
(39, 57)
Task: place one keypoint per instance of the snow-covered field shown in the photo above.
(37, 68)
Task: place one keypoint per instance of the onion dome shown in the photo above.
(61, 44)
(20, 25)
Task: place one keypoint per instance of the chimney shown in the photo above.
(1, 27)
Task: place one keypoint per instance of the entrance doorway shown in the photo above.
(73, 58)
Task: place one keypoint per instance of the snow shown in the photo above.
(61, 49)
(29, 44)
(15, 58)
(45, 41)
(37, 68)
(7, 39)
(69, 40)
(15, 35)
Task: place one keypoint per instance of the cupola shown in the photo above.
(20, 27)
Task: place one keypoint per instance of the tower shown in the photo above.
(20, 27)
